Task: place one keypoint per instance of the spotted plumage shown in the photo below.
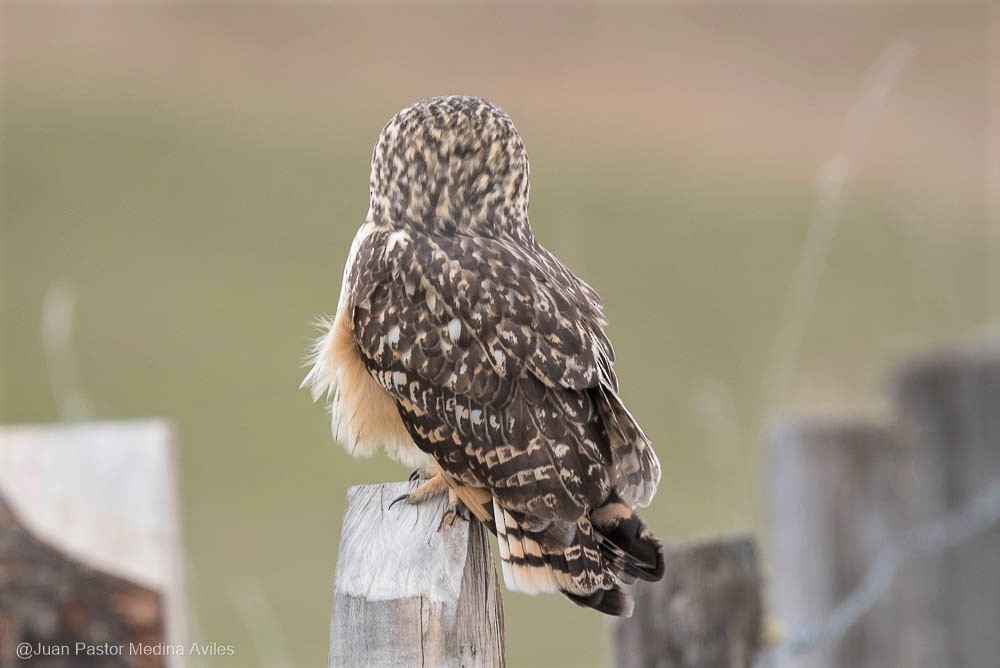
(461, 343)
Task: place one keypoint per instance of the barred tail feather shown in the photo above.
(524, 567)
(576, 560)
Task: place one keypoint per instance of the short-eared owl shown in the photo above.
(461, 344)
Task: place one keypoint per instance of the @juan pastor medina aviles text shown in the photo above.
(28, 650)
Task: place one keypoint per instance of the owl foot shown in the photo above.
(433, 484)
(424, 490)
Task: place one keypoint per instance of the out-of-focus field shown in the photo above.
(195, 176)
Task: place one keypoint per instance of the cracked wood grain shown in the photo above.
(409, 593)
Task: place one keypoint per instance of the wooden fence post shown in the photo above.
(706, 612)
(408, 593)
(949, 411)
(49, 601)
(835, 499)
(90, 544)
(843, 492)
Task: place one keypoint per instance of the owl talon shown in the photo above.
(454, 511)
(448, 518)
(425, 473)
(426, 489)
(401, 497)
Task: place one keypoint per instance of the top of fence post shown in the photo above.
(410, 591)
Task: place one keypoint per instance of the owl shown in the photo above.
(462, 346)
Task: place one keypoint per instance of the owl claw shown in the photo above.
(430, 486)
(447, 519)
(401, 497)
(425, 473)
(455, 510)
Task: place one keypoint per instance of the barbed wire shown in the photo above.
(931, 538)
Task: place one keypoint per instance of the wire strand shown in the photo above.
(933, 537)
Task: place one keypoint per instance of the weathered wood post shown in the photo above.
(706, 612)
(409, 592)
(90, 545)
(949, 414)
(835, 489)
(847, 496)
(49, 601)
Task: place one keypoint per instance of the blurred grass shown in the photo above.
(201, 241)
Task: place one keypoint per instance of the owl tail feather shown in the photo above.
(588, 561)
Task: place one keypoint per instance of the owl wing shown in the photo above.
(496, 357)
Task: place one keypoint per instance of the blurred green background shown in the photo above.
(193, 175)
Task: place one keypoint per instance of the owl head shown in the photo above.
(450, 165)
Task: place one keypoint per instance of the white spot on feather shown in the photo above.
(455, 329)
(397, 237)
(501, 359)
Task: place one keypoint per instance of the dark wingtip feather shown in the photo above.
(614, 602)
(628, 542)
